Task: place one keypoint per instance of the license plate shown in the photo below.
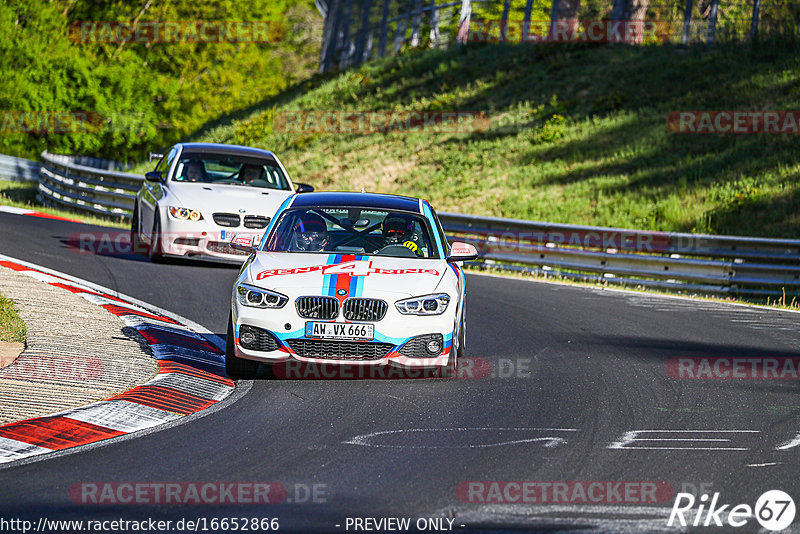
(364, 332)
(227, 235)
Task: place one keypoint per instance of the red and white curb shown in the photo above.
(34, 213)
(190, 378)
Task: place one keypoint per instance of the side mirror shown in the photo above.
(243, 243)
(303, 188)
(462, 252)
(154, 176)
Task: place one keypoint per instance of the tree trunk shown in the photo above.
(687, 22)
(629, 16)
(463, 21)
(564, 19)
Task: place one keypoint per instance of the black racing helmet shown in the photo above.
(397, 227)
(310, 232)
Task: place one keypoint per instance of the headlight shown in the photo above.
(424, 305)
(256, 297)
(185, 214)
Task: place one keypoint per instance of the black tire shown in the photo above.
(155, 251)
(137, 245)
(237, 367)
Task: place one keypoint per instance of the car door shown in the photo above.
(152, 192)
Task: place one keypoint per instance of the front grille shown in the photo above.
(264, 341)
(191, 241)
(416, 347)
(226, 219)
(255, 221)
(339, 350)
(317, 307)
(224, 248)
(364, 309)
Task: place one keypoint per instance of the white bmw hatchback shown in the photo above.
(349, 278)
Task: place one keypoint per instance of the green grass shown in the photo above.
(11, 326)
(23, 195)
(578, 135)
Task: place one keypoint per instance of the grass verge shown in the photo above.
(578, 135)
(12, 328)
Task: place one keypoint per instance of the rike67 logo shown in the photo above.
(774, 510)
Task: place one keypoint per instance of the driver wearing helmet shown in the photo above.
(398, 229)
(310, 233)
(251, 173)
(195, 171)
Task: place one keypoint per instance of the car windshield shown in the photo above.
(231, 170)
(349, 230)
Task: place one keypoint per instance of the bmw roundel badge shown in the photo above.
(342, 292)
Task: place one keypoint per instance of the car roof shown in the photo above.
(357, 200)
(233, 150)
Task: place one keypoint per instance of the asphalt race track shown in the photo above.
(567, 375)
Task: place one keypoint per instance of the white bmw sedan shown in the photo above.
(200, 194)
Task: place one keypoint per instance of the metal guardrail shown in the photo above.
(70, 182)
(704, 263)
(678, 261)
(18, 169)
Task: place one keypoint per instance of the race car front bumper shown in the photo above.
(274, 336)
(189, 239)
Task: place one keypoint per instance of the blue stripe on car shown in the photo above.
(329, 280)
(429, 215)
